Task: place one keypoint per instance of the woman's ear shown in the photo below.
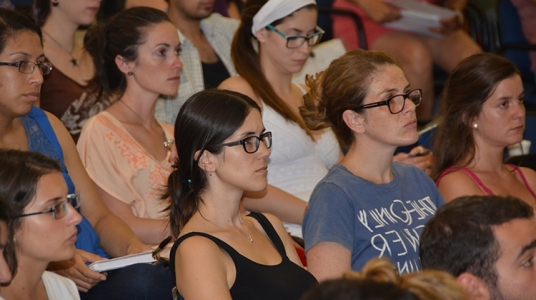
(354, 121)
(261, 35)
(206, 161)
(123, 64)
(468, 121)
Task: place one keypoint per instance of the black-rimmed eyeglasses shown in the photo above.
(60, 209)
(297, 41)
(27, 67)
(251, 143)
(396, 103)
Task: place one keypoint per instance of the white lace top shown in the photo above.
(297, 163)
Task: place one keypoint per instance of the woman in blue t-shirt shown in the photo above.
(367, 206)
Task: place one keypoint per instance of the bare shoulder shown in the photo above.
(303, 87)
(238, 84)
(63, 136)
(54, 121)
(199, 261)
(456, 184)
(198, 247)
(530, 175)
(276, 223)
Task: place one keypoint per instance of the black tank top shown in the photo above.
(214, 74)
(286, 280)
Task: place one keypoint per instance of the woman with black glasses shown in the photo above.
(222, 252)
(43, 225)
(367, 206)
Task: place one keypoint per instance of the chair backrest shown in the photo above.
(324, 19)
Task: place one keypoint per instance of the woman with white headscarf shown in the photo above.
(284, 32)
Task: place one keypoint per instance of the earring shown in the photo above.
(475, 125)
(55, 4)
(130, 73)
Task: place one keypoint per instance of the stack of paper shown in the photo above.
(418, 16)
(120, 262)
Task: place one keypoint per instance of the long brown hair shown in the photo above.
(468, 87)
(342, 86)
(247, 63)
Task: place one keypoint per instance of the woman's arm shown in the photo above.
(275, 201)
(328, 260)
(117, 238)
(456, 184)
(202, 270)
(419, 156)
(148, 231)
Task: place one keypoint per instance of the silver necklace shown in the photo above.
(73, 60)
(248, 235)
(167, 142)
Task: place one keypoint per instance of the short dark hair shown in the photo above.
(12, 22)
(460, 237)
(19, 174)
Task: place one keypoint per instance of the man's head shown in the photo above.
(192, 9)
(488, 242)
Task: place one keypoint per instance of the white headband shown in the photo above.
(274, 10)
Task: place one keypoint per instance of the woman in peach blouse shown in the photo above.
(126, 151)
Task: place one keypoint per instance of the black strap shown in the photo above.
(270, 231)
(265, 223)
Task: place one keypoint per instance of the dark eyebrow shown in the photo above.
(251, 133)
(528, 247)
(53, 200)
(387, 91)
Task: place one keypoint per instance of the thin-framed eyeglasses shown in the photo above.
(296, 41)
(60, 209)
(251, 143)
(27, 67)
(396, 103)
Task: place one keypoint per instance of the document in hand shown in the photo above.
(418, 16)
(123, 261)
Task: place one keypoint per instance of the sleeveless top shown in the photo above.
(42, 139)
(297, 163)
(255, 281)
(214, 73)
(480, 184)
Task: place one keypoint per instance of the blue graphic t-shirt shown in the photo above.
(373, 220)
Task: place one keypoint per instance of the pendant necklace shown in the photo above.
(248, 235)
(73, 60)
(167, 142)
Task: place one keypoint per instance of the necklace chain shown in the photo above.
(74, 61)
(167, 142)
(248, 235)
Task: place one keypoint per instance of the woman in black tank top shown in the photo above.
(222, 252)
